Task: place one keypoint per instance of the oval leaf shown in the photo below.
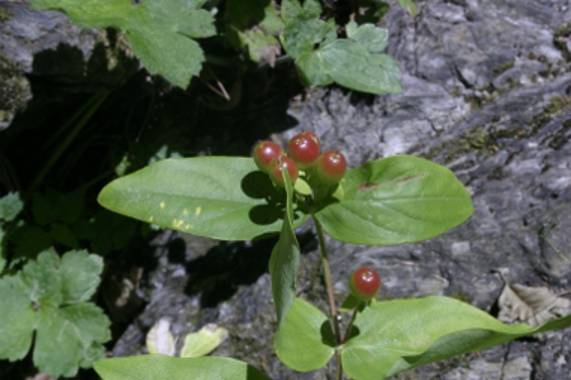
(204, 341)
(224, 198)
(304, 340)
(395, 336)
(395, 200)
(161, 367)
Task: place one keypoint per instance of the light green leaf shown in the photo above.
(300, 37)
(396, 200)
(10, 206)
(225, 198)
(395, 336)
(409, 6)
(161, 367)
(293, 10)
(204, 341)
(368, 35)
(284, 262)
(351, 65)
(304, 341)
(39, 299)
(159, 31)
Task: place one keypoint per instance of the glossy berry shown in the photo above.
(264, 153)
(331, 166)
(364, 283)
(303, 149)
(278, 165)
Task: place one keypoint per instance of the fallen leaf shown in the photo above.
(160, 339)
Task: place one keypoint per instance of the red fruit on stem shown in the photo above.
(364, 283)
(303, 149)
(264, 153)
(331, 166)
(278, 165)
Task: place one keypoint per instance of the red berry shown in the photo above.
(264, 153)
(331, 166)
(278, 165)
(364, 283)
(303, 149)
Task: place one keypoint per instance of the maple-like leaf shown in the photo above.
(48, 297)
(534, 306)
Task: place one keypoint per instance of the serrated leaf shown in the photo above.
(351, 65)
(161, 367)
(395, 336)
(301, 36)
(294, 10)
(304, 341)
(10, 206)
(159, 338)
(374, 39)
(284, 261)
(204, 341)
(396, 200)
(38, 299)
(159, 31)
(534, 306)
(261, 47)
(225, 198)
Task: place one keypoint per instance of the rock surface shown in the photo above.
(487, 93)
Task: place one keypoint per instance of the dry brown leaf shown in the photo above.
(534, 306)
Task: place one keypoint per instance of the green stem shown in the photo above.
(328, 282)
(350, 327)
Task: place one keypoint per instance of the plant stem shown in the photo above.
(328, 281)
(350, 327)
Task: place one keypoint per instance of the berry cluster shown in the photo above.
(303, 153)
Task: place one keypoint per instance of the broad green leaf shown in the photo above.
(204, 341)
(300, 37)
(409, 6)
(159, 31)
(225, 198)
(161, 367)
(395, 336)
(396, 200)
(10, 206)
(304, 341)
(284, 262)
(46, 298)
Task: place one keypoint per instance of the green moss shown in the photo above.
(5, 15)
(560, 37)
(497, 70)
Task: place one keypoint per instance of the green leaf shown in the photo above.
(42, 210)
(395, 336)
(63, 235)
(284, 262)
(368, 35)
(2, 250)
(68, 207)
(46, 297)
(292, 10)
(396, 200)
(409, 6)
(10, 206)
(161, 367)
(304, 341)
(204, 341)
(225, 198)
(29, 241)
(108, 231)
(159, 31)
(351, 65)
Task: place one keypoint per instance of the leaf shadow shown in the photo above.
(218, 274)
